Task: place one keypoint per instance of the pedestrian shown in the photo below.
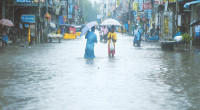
(4, 33)
(112, 37)
(122, 29)
(105, 33)
(152, 30)
(157, 31)
(139, 36)
(135, 35)
(91, 39)
(197, 32)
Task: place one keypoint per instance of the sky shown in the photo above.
(96, 1)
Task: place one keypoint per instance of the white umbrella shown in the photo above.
(88, 27)
(110, 22)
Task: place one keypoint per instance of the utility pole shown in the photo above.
(67, 12)
(47, 22)
(138, 10)
(39, 22)
(177, 9)
(130, 23)
(47, 9)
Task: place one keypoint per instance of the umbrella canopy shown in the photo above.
(88, 27)
(194, 23)
(6, 22)
(110, 22)
(191, 3)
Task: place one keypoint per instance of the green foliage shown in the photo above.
(186, 37)
(89, 11)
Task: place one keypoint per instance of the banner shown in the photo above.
(147, 4)
(118, 2)
(169, 1)
(135, 6)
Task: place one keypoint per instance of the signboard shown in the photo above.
(24, 1)
(166, 25)
(70, 8)
(166, 6)
(149, 14)
(70, 16)
(38, 1)
(170, 1)
(28, 18)
(179, 20)
(135, 6)
(61, 20)
(147, 6)
(29, 1)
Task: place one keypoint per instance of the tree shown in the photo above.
(90, 11)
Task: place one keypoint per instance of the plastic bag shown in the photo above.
(111, 45)
(178, 38)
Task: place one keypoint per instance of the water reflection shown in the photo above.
(90, 61)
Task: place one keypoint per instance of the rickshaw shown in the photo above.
(68, 31)
(78, 30)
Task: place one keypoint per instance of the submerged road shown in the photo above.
(55, 76)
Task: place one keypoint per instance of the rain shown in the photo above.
(99, 55)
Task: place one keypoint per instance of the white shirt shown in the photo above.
(135, 31)
(197, 28)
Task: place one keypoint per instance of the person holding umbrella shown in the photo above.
(91, 39)
(4, 33)
(5, 30)
(112, 39)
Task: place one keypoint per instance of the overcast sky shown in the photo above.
(95, 0)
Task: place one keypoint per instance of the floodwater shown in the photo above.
(55, 76)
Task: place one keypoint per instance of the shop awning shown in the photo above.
(191, 3)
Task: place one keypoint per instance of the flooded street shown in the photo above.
(55, 76)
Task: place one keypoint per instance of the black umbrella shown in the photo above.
(194, 23)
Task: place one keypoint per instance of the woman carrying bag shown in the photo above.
(112, 39)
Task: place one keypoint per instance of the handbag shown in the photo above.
(111, 45)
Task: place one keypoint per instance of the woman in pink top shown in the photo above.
(104, 30)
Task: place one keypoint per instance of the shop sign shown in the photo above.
(24, 1)
(28, 18)
(38, 1)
